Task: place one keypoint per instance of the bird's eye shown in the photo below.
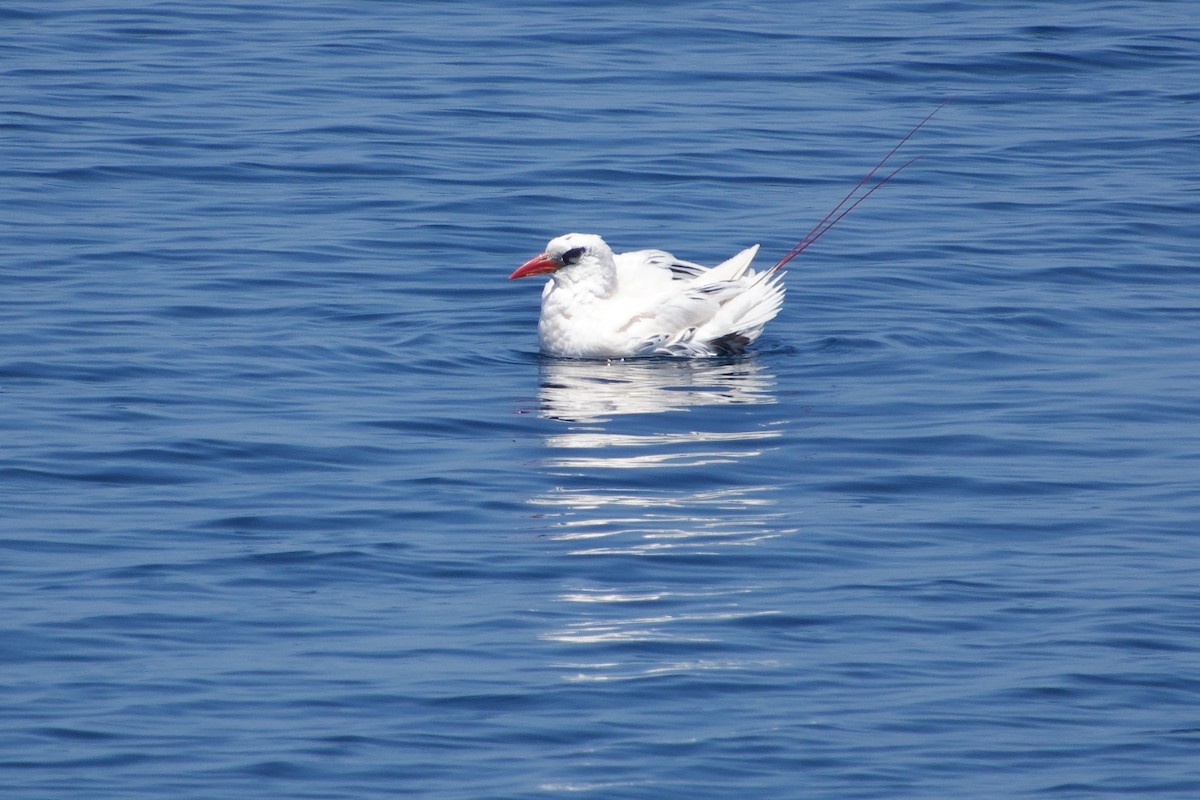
(572, 255)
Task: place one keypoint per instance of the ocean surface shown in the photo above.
(291, 507)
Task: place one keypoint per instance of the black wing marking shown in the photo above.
(680, 270)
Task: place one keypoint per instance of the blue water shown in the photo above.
(291, 507)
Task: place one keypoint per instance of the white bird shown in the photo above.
(600, 304)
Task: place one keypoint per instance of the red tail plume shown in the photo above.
(835, 216)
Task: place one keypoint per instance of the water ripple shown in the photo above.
(291, 507)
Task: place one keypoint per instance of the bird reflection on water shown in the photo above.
(635, 469)
(647, 464)
(596, 391)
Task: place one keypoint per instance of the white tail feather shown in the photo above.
(731, 269)
(747, 313)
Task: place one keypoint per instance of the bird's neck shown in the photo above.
(594, 277)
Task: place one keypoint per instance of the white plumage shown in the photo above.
(598, 304)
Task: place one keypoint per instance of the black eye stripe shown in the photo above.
(572, 255)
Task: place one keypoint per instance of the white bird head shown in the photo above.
(568, 250)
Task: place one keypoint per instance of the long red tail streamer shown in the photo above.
(838, 213)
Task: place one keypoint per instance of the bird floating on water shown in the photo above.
(601, 304)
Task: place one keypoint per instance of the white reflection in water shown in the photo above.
(649, 523)
(595, 391)
(657, 485)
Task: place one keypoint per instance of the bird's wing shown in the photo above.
(670, 306)
(732, 269)
(642, 271)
